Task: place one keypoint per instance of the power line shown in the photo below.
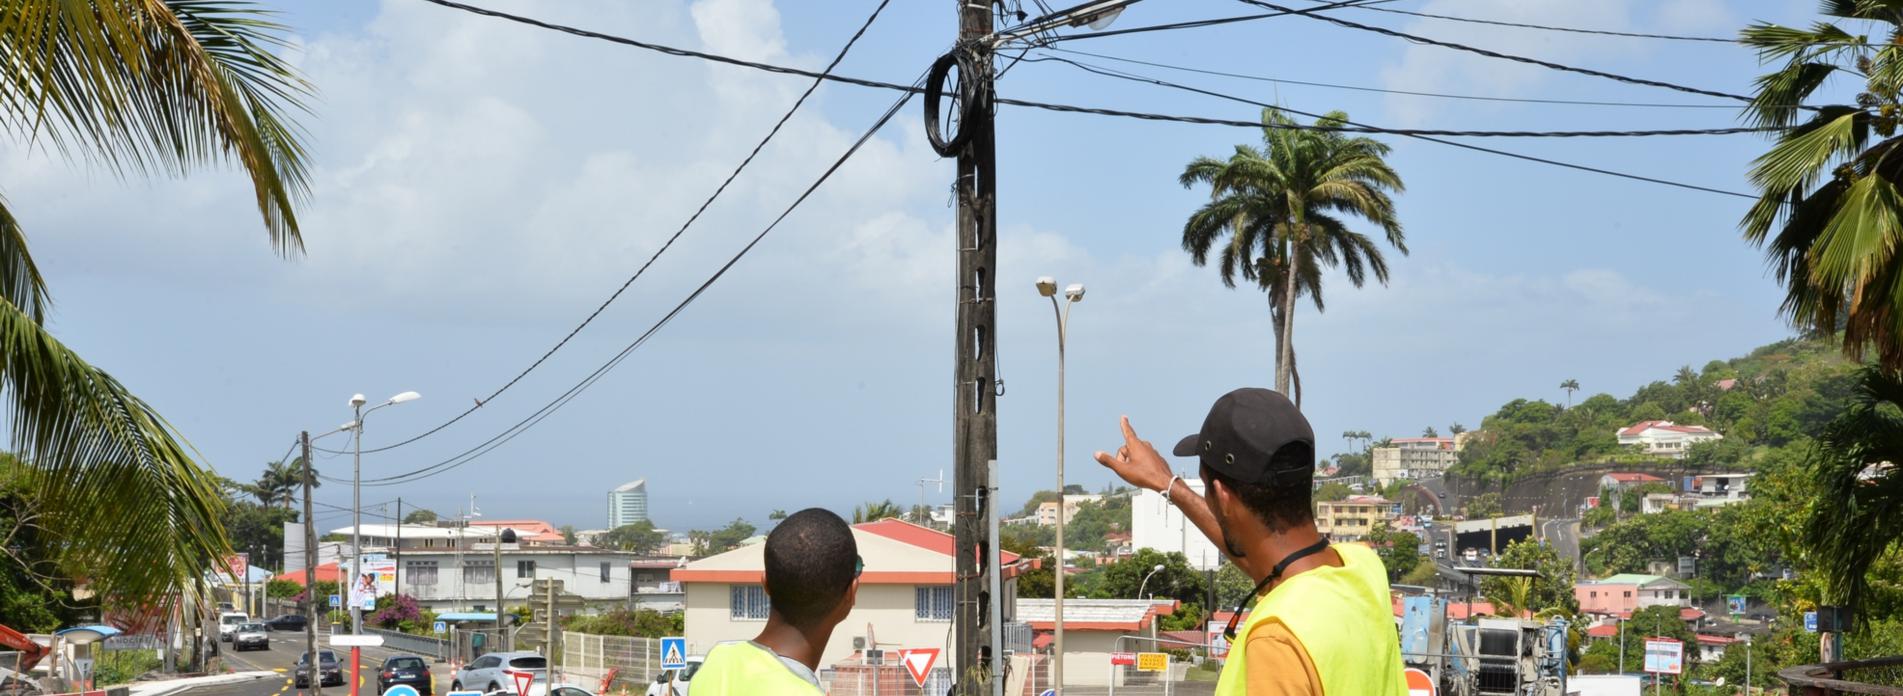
(1466, 97)
(1200, 23)
(1503, 56)
(549, 409)
(1467, 146)
(1570, 30)
(817, 81)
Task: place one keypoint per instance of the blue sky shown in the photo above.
(479, 186)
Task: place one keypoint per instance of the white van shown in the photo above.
(228, 623)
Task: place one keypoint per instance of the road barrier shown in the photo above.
(433, 648)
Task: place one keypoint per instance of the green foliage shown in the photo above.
(1038, 498)
(1422, 575)
(568, 534)
(420, 516)
(721, 540)
(1733, 544)
(258, 529)
(1331, 492)
(640, 537)
(1026, 539)
(1552, 590)
(1598, 517)
(1354, 465)
(282, 589)
(1484, 505)
(1095, 520)
(1122, 580)
(114, 667)
(873, 511)
(1400, 551)
(34, 596)
(1601, 657)
(1039, 582)
(1864, 518)
(643, 623)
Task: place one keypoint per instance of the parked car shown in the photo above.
(408, 670)
(228, 623)
(330, 674)
(251, 636)
(287, 622)
(496, 672)
(674, 682)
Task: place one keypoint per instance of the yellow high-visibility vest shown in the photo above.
(1344, 619)
(739, 669)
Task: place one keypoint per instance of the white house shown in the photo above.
(1665, 438)
(1156, 524)
(1726, 486)
(466, 580)
(1093, 629)
(905, 593)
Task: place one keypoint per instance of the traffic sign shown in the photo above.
(674, 653)
(918, 662)
(1810, 622)
(347, 640)
(522, 682)
(875, 657)
(1049, 692)
(336, 600)
(1123, 658)
(401, 690)
(1418, 682)
(1153, 662)
(1664, 656)
(439, 627)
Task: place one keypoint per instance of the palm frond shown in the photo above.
(20, 281)
(1866, 515)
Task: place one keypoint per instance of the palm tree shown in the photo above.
(141, 85)
(281, 482)
(1511, 596)
(1855, 467)
(875, 511)
(1281, 209)
(1828, 213)
(1571, 385)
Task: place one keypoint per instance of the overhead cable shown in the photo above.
(722, 188)
(1503, 56)
(549, 409)
(1466, 97)
(1570, 30)
(1200, 23)
(1466, 146)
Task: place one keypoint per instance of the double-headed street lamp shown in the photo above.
(1072, 295)
(356, 496)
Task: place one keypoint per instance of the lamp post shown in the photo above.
(1072, 295)
(1146, 579)
(356, 495)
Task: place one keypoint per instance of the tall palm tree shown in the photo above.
(1855, 466)
(139, 86)
(1830, 212)
(1571, 385)
(281, 482)
(1281, 210)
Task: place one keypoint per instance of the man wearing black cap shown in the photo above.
(1323, 623)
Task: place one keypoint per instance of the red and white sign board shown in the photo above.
(1418, 682)
(918, 662)
(238, 566)
(1664, 656)
(1123, 658)
(522, 682)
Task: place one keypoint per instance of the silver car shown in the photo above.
(251, 636)
(497, 672)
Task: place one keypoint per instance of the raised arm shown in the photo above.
(1138, 463)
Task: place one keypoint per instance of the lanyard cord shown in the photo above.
(1274, 574)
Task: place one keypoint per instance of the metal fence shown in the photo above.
(854, 679)
(633, 662)
(435, 648)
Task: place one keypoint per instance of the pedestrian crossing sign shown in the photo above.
(674, 653)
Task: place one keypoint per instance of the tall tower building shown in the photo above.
(628, 503)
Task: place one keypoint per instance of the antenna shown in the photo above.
(924, 514)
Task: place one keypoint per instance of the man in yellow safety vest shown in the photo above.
(812, 579)
(1323, 623)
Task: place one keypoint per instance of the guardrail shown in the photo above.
(434, 648)
(1828, 679)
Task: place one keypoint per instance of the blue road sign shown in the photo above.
(1810, 621)
(336, 600)
(439, 627)
(401, 690)
(1049, 692)
(674, 653)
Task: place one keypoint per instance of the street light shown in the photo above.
(1146, 579)
(356, 494)
(1073, 294)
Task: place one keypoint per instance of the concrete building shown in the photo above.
(443, 577)
(1415, 458)
(1092, 629)
(1156, 524)
(1047, 510)
(628, 503)
(905, 592)
(1620, 595)
(1665, 438)
(1354, 518)
(527, 532)
(1620, 481)
(1722, 486)
(654, 586)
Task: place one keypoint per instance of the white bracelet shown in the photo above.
(1170, 487)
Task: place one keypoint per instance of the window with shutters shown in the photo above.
(420, 573)
(525, 569)
(749, 603)
(932, 603)
(479, 572)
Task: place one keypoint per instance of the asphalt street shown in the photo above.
(1563, 534)
(282, 656)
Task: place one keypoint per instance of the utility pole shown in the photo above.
(501, 629)
(975, 419)
(398, 549)
(310, 569)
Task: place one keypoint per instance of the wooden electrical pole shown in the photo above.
(975, 419)
(310, 570)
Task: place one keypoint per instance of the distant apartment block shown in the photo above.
(1415, 458)
(1665, 438)
(1352, 519)
(628, 503)
(1047, 510)
(1156, 524)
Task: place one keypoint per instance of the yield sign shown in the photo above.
(918, 661)
(522, 682)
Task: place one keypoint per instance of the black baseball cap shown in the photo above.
(1242, 433)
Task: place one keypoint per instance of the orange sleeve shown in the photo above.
(1278, 664)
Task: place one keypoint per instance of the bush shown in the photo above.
(644, 623)
(401, 613)
(122, 666)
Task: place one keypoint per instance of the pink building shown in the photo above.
(1620, 594)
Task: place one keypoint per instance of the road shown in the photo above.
(1563, 534)
(285, 647)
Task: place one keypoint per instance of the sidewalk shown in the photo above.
(173, 686)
